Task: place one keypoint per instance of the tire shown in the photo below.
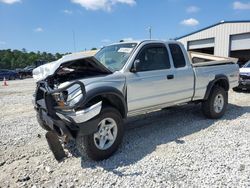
(215, 106)
(21, 76)
(89, 145)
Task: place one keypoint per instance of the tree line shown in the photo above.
(13, 59)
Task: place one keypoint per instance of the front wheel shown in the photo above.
(215, 106)
(106, 140)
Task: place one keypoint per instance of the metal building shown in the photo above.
(226, 38)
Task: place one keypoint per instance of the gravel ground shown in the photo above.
(171, 148)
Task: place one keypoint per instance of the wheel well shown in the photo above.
(111, 100)
(222, 83)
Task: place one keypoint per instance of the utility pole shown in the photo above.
(150, 32)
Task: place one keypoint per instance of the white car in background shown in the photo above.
(244, 82)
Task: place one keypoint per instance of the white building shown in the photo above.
(226, 38)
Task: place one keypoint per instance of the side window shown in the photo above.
(153, 58)
(177, 55)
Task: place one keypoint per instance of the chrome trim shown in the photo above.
(82, 116)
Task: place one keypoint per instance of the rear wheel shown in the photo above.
(21, 76)
(215, 106)
(103, 143)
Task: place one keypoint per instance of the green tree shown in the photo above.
(12, 59)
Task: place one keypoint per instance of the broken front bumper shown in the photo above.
(67, 121)
(81, 116)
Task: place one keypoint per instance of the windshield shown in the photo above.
(247, 65)
(115, 56)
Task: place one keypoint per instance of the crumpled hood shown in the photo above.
(42, 72)
(46, 70)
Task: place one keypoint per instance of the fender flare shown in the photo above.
(219, 77)
(102, 91)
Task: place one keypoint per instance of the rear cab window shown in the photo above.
(177, 55)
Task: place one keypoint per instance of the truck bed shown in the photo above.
(206, 66)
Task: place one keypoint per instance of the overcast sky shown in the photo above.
(48, 25)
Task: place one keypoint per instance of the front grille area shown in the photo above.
(39, 93)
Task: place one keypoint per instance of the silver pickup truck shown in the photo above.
(86, 98)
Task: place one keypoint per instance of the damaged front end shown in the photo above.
(63, 107)
(64, 113)
(64, 110)
(60, 98)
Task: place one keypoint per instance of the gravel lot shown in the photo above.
(172, 148)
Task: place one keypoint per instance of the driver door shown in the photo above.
(152, 82)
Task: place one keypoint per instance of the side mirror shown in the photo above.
(135, 65)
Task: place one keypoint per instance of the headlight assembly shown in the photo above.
(69, 97)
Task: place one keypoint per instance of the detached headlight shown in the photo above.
(61, 98)
(69, 97)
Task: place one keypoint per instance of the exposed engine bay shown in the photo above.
(77, 69)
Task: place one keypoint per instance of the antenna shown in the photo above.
(74, 40)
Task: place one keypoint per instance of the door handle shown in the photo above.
(169, 77)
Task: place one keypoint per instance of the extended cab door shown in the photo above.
(152, 82)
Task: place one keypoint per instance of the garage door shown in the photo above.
(199, 44)
(240, 42)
